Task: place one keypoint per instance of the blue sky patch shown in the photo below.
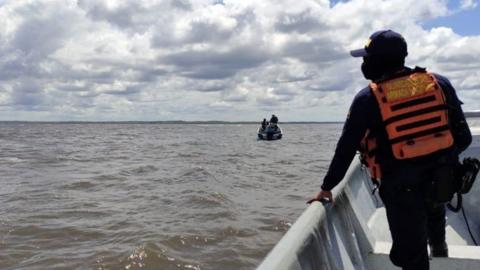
(462, 22)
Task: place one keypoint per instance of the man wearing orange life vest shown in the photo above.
(417, 125)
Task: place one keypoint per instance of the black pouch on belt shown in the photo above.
(444, 184)
(467, 173)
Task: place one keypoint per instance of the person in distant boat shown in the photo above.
(274, 122)
(411, 122)
(264, 123)
(274, 119)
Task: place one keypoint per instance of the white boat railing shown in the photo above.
(328, 236)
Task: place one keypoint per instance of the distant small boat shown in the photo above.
(270, 132)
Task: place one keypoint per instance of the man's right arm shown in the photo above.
(353, 131)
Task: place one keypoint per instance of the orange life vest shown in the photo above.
(414, 113)
(368, 148)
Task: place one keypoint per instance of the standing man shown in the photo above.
(274, 119)
(418, 128)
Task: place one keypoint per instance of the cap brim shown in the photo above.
(359, 53)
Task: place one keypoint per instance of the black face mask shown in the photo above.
(378, 66)
(371, 70)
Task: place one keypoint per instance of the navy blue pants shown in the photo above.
(413, 219)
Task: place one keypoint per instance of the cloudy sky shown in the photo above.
(233, 60)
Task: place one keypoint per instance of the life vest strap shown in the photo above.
(419, 134)
(414, 113)
(424, 122)
(414, 102)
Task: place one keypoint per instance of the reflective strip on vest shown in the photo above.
(414, 114)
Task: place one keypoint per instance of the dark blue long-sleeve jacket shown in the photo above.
(365, 114)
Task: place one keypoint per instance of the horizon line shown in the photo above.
(163, 122)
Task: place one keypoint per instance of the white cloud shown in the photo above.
(206, 59)
(468, 4)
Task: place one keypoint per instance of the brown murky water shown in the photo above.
(152, 196)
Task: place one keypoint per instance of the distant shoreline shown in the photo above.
(169, 122)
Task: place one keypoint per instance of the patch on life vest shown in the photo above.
(408, 86)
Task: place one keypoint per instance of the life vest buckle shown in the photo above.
(410, 142)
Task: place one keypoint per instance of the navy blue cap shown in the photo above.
(383, 42)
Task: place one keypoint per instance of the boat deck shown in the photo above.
(458, 238)
(457, 231)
